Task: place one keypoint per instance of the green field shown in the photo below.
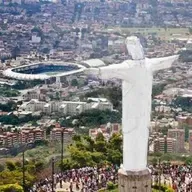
(163, 33)
(38, 153)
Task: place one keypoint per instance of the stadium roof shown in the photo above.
(94, 63)
(21, 76)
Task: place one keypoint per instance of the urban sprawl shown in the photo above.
(63, 132)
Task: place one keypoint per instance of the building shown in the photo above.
(190, 141)
(184, 120)
(26, 135)
(179, 135)
(189, 45)
(35, 39)
(34, 94)
(165, 145)
(64, 107)
(56, 134)
(107, 130)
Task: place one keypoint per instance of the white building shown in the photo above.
(189, 45)
(35, 39)
(65, 107)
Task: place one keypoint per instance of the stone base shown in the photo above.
(134, 181)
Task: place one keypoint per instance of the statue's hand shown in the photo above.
(92, 71)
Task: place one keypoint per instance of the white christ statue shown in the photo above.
(137, 77)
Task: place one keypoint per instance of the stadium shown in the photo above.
(43, 71)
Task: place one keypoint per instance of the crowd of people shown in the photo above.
(86, 179)
(178, 177)
(90, 179)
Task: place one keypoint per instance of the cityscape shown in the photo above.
(76, 104)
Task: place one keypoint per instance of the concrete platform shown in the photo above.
(134, 181)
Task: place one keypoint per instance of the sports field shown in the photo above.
(163, 33)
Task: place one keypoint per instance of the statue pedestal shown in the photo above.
(134, 181)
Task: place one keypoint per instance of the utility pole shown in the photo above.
(159, 174)
(62, 141)
(23, 159)
(53, 171)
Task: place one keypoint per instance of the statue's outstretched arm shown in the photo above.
(161, 63)
(118, 71)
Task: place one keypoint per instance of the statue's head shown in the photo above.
(134, 48)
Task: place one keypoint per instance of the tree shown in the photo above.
(100, 137)
(10, 177)
(77, 30)
(115, 142)
(76, 138)
(37, 30)
(100, 146)
(10, 106)
(111, 185)
(184, 102)
(1, 167)
(15, 52)
(188, 161)
(88, 152)
(114, 156)
(81, 157)
(94, 117)
(57, 95)
(154, 161)
(158, 89)
(66, 164)
(190, 30)
(74, 83)
(46, 50)
(186, 127)
(10, 166)
(11, 187)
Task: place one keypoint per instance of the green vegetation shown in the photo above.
(88, 152)
(43, 151)
(184, 102)
(36, 164)
(10, 106)
(14, 120)
(186, 56)
(8, 92)
(114, 94)
(163, 33)
(163, 188)
(158, 89)
(74, 82)
(93, 118)
(11, 187)
(26, 84)
(12, 174)
(111, 186)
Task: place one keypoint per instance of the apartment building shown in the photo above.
(64, 107)
(165, 145)
(179, 135)
(56, 134)
(107, 130)
(26, 135)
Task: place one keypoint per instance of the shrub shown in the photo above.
(101, 190)
(162, 188)
(11, 187)
(110, 185)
